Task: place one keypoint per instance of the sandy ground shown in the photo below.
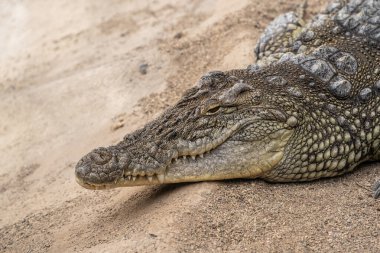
(70, 81)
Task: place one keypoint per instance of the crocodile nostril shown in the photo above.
(101, 156)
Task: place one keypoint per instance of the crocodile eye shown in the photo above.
(213, 110)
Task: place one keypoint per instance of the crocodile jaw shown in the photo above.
(231, 159)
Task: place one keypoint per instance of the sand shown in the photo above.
(76, 75)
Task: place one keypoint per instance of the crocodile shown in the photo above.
(308, 108)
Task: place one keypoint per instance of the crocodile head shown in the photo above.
(223, 128)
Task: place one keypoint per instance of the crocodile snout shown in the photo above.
(100, 166)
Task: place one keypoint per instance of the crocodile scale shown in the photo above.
(308, 108)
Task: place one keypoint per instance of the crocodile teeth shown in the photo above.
(161, 178)
(193, 157)
(201, 155)
(134, 178)
(150, 178)
(129, 177)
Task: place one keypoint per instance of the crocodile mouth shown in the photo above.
(207, 159)
(159, 178)
(133, 179)
(195, 156)
(185, 153)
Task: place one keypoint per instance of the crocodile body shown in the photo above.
(309, 108)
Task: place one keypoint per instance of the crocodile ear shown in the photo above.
(232, 93)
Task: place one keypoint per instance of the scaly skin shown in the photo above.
(309, 108)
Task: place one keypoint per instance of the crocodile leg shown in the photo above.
(278, 37)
